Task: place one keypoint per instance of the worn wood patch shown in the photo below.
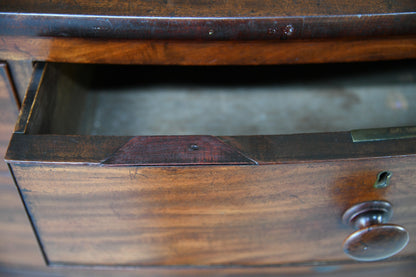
(176, 150)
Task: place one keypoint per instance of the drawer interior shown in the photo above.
(224, 101)
(200, 200)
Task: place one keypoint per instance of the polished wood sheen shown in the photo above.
(183, 8)
(209, 215)
(376, 242)
(76, 50)
(201, 220)
(242, 201)
(373, 239)
(209, 20)
(35, 134)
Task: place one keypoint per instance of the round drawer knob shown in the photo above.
(374, 240)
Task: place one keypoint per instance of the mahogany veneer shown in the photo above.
(191, 205)
(192, 200)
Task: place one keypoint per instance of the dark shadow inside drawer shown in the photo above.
(224, 101)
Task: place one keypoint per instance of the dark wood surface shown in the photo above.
(33, 256)
(270, 149)
(376, 242)
(18, 246)
(20, 255)
(208, 215)
(21, 72)
(210, 8)
(274, 28)
(209, 20)
(176, 150)
(346, 24)
(33, 142)
(281, 207)
(74, 50)
(8, 111)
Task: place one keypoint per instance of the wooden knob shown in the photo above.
(374, 239)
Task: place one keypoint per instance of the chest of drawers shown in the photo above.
(214, 187)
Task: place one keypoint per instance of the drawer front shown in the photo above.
(197, 200)
(212, 215)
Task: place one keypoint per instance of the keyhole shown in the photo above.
(383, 179)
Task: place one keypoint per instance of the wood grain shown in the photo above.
(8, 111)
(183, 8)
(28, 103)
(316, 147)
(275, 28)
(209, 20)
(271, 149)
(176, 150)
(19, 253)
(212, 215)
(18, 246)
(21, 72)
(73, 50)
(34, 141)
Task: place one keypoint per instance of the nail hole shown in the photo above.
(194, 147)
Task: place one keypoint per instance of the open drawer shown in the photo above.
(212, 166)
